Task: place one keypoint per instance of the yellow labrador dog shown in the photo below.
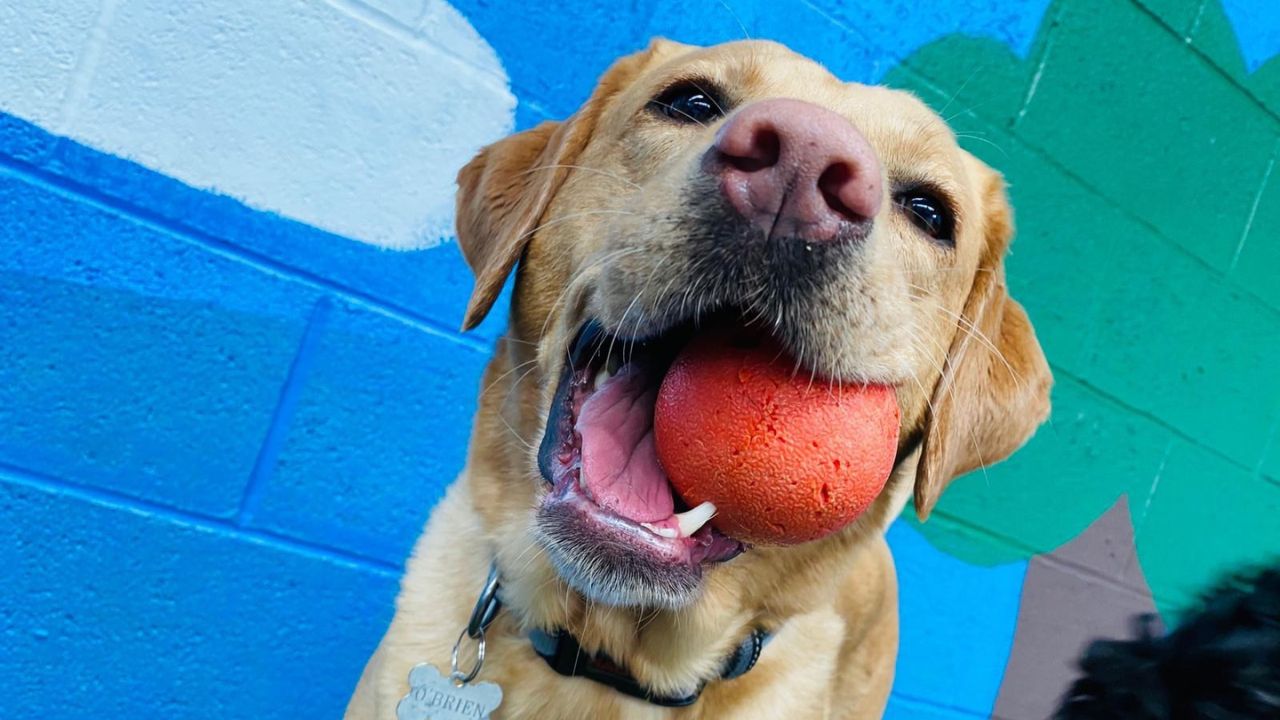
(734, 185)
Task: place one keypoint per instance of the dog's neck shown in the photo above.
(670, 651)
(673, 651)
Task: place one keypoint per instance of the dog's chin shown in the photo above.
(611, 523)
(610, 562)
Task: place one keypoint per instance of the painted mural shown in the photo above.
(227, 407)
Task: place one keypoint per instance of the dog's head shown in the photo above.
(734, 185)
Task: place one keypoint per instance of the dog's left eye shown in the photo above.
(930, 214)
(688, 102)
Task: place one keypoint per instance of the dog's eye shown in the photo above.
(689, 103)
(929, 213)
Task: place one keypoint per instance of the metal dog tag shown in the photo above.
(433, 696)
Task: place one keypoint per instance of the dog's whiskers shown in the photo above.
(676, 109)
(992, 143)
(573, 284)
(584, 168)
(502, 407)
(959, 90)
(966, 325)
(736, 19)
(947, 386)
(570, 216)
(710, 96)
(493, 383)
(623, 321)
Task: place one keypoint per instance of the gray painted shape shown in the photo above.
(1089, 588)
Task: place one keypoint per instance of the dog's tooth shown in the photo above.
(691, 521)
(602, 376)
(661, 531)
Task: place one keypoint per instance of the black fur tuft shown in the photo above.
(1221, 663)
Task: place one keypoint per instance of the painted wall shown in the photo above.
(226, 409)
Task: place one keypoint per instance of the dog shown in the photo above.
(1221, 663)
(738, 185)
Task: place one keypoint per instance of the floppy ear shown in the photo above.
(994, 389)
(505, 190)
(502, 194)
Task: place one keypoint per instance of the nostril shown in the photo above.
(794, 169)
(831, 182)
(760, 151)
(836, 185)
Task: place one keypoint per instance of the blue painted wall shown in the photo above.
(221, 428)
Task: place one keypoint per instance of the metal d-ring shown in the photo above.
(482, 615)
(457, 676)
(487, 605)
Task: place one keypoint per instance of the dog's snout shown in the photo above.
(797, 170)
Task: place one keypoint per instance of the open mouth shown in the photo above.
(612, 523)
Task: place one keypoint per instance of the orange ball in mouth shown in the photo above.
(784, 458)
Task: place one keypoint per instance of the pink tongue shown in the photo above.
(619, 462)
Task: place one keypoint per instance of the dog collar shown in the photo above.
(562, 652)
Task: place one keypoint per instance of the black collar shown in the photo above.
(563, 653)
(565, 656)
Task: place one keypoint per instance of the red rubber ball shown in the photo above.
(785, 459)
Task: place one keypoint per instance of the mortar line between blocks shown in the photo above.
(282, 417)
(1093, 575)
(1045, 556)
(225, 248)
(532, 101)
(1189, 43)
(855, 31)
(86, 67)
(1087, 186)
(1269, 445)
(963, 523)
(114, 500)
(1148, 416)
(1253, 211)
(380, 21)
(933, 705)
(1195, 23)
(1151, 495)
(1041, 63)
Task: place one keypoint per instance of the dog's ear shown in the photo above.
(994, 388)
(504, 192)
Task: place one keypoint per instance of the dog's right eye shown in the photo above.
(689, 103)
(929, 213)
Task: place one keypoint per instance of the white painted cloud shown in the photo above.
(350, 118)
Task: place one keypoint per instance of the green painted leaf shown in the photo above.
(1139, 156)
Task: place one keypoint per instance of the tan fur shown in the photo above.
(590, 211)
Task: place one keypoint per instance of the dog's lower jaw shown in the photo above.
(604, 573)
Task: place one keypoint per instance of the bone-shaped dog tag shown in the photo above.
(433, 696)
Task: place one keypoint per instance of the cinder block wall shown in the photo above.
(226, 408)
